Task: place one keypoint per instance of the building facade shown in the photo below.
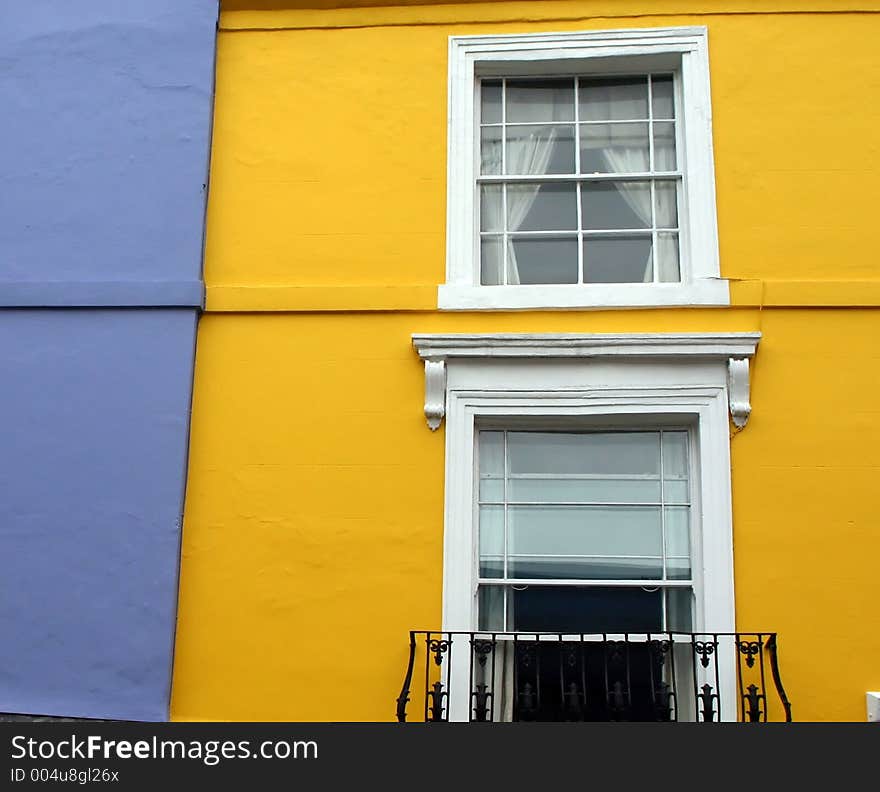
(535, 376)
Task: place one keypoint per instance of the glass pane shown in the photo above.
(678, 531)
(490, 151)
(585, 568)
(665, 204)
(584, 530)
(490, 101)
(542, 207)
(491, 261)
(661, 91)
(678, 568)
(619, 259)
(491, 208)
(679, 606)
(491, 541)
(490, 603)
(614, 148)
(542, 260)
(612, 205)
(613, 99)
(539, 149)
(667, 257)
(675, 454)
(664, 146)
(491, 453)
(540, 100)
(595, 490)
(592, 453)
(586, 610)
(491, 490)
(675, 491)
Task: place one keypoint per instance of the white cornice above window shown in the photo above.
(734, 349)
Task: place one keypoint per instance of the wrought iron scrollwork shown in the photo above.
(439, 698)
(482, 650)
(438, 647)
(705, 650)
(749, 649)
(752, 700)
(708, 699)
(482, 703)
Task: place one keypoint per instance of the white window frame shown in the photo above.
(682, 50)
(594, 381)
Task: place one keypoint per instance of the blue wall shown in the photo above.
(104, 152)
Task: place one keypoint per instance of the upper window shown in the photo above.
(580, 172)
(579, 181)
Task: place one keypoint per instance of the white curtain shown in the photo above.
(526, 156)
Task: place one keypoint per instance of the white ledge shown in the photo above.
(734, 349)
(554, 345)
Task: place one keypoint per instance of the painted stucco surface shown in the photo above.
(103, 170)
(313, 534)
(106, 119)
(95, 413)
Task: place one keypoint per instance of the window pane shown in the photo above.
(614, 148)
(665, 204)
(675, 446)
(595, 490)
(491, 607)
(585, 610)
(585, 568)
(539, 149)
(611, 99)
(678, 531)
(667, 258)
(491, 453)
(542, 207)
(613, 205)
(490, 151)
(491, 541)
(491, 261)
(491, 490)
(491, 208)
(662, 104)
(679, 606)
(590, 531)
(593, 453)
(542, 260)
(540, 100)
(675, 491)
(619, 259)
(490, 97)
(664, 146)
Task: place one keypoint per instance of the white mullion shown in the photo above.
(504, 190)
(577, 169)
(542, 178)
(504, 568)
(654, 267)
(663, 528)
(586, 583)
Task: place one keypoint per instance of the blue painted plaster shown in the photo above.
(94, 421)
(104, 140)
(104, 148)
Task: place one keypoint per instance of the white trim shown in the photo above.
(589, 392)
(873, 706)
(683, 49)
(731, 349)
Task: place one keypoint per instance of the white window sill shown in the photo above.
(704, 292)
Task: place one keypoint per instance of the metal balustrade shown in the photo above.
(668, 676)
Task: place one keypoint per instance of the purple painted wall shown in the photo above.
(104, 152)
(95, 411)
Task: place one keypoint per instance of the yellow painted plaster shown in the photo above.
(314, 518)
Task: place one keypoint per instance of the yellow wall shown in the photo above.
(314, 517)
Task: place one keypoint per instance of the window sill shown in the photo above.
(707, 292)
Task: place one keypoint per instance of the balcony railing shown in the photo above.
(670, 676)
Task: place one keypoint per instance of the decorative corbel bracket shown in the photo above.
(733, 348)
(435, 392)
(738, 391)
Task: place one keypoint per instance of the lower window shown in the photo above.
(584, 532)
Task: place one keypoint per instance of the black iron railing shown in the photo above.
(670, 676)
